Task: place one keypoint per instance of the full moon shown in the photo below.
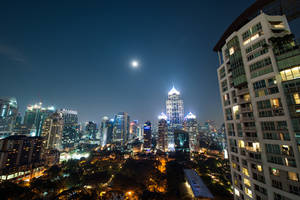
(134, 64)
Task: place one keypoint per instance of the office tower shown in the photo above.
(52, 131)
(190, 125)
(181, 141)
(110, 131)
(91, 130)
(147, 136)
(35, 116)
(133, 129)
(174, 107)
(121, 128)
(70, 135)
(104, 130)
(259, 85)
(20, 156)
(162, 143)
(8, 115)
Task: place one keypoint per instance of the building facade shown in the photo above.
(8, 115)
(147, 136)
(35, 116)
(259, 85)
(70, 134)
(52, 131)
(190, 125)
(181, 141)
(162, 143)
(174, 107)
(121, 128)
(91, 130)
(20, 156)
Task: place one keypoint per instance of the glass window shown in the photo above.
(293, 176)
(296, 98)
(259, 168)
(275, 172)
(245, 171)
(248, 192)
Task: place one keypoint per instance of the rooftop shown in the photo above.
(290, 8)
(173, 91)
(198, 187)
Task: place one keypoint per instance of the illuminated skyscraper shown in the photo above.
(174, 107)
(8, 114)
(121, 128)
(133, 129)
(162, 132)
(103, 130)
(34, 117)
(147, 136)
(191, 126)
(52, 131)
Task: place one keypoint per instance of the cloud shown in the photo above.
(12, 53)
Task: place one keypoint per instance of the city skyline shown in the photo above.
(57, 68)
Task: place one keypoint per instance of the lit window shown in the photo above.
(290, 74)
(248, 192)
(296, 98)
(234, 165)
(247, 97)
(261, 93)
(247, 182)
(275, 103)
(245, 171)
(275, 172)
(241, 144)
(259, 168)
(293, 176)
(231, 51)
(236, 192)
(256, 146)
(296, 72)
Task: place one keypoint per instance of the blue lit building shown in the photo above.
(147, 136)
(181, 141)
(8, 114)
(121, 128)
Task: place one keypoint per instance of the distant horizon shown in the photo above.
(23, 109)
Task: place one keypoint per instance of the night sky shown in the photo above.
(77, 54)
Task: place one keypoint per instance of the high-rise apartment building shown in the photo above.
(121, 128)
(35, 116)
(147, 136)
(70, 135)
(162, 143)
(190, 125)
(174, 107)
(52, 131)
(260, 89)
(8, 115)
(20, 156)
